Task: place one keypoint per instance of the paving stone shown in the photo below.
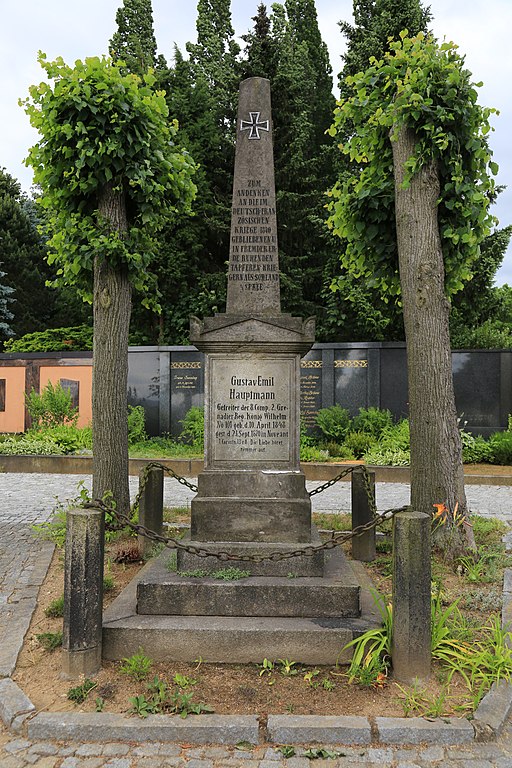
(13, 702)
(119, 762)
(197, 763)
(90, 750)
(304, 729)
(111, 750)
(17, 745)
(415, 730)
(46, 762)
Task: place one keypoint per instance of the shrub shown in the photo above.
(53, 340)
(474, 449)
(193, 427)
(67, 437)
(500, 445)
(358, 443)
(23, 446)
(388, 457)
(396, 437)
(372, 421)
(333, 422)
(335, 450)
(136, 424)
(53, 406)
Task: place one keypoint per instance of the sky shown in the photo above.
(75, 29)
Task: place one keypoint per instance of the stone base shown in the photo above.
(304, 565)
(251, 505)
(335, 595)
(232, 639)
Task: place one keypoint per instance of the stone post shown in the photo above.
(411, 653)
(363, 546)
(83, 592)
(151, 507)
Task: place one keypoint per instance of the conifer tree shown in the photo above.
(134, 42)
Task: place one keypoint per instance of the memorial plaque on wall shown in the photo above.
(475, 376)
(393, 381)
(187, 386)
(251, 413)
(310, 388)
(144, 386)
(351, 382)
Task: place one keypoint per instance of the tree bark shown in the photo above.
(111, 310)
(437, 475)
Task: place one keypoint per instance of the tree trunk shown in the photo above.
(437, 475)
(111, 307)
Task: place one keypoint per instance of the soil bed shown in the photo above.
(240, 689)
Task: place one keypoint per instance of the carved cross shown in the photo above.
(255, 125)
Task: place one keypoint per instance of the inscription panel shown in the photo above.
(250, 410)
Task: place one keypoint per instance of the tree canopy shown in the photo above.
(427, 87)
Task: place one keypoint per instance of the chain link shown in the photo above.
(115, 521)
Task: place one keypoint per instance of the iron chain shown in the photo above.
(115, 520)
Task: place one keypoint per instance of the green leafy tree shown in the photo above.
(422, 192)
(111, 172)
(6, 301)
(134, 41)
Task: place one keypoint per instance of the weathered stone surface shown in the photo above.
(415, 730)
(105, 727)
(327, 729)
(411, 596)
(151, 506)
(13, 702)
(495, 707)
(83, 592)
(363, 545)
(334, 596)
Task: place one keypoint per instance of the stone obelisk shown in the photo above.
(252, 488)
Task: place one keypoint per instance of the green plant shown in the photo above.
(337, 451)
(141, 706)
(500, 445)
(136, 424)
(230, 574)
(417, 702)
(373, 647)
(391, 457)
(372, 421)
(50, 640)
(183, 681)
(68, 437)
(321, 753)
(79, 694)
(172, 562)
(309, 678)
(286, 750)
(287, 667)
(52, 407)
(53, 340)
(359, 443)
(474, 449)
(108, 583)
(99, 704)
(266, 667)
(312, 453)
(193, 427)
(55, 609)
(136, 666)
(328, 685)
(333, 422)
(183, 705)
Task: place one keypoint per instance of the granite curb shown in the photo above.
(17, 712)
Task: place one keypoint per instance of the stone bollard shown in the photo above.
(151, 507)
(83, 592)
(363, 546)
(410, 650)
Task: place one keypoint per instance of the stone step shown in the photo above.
(292, 558)
(336, 595)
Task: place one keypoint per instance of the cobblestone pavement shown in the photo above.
(21, 753)
(26, 499)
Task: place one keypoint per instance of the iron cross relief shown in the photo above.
(255, 125)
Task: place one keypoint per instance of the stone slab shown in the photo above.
(307, 564)
(13, 702)
(327, 729)
(495, 707)
(106, 727)
(335, 595)
(416, 730)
